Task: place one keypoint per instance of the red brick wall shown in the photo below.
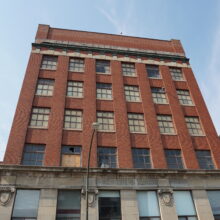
(55, 136)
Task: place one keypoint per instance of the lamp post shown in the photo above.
(95, 126)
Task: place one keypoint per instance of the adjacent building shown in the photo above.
(155, 155)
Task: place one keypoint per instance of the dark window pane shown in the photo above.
(174, 159)
(141, 158)
(205, 159)
(107, 157)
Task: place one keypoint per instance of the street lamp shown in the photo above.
(95, 126)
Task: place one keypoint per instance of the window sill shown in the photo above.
(135, 132)
(44, 95)
(197, 135)
(104, 131)
(154, 78)
(73, 97)
(169, 134)
(100, 73)
(188, 105)
(134, 101)
(183, 80)
(161, 103)
(130, 76)
(72, 71)
(34, 127)
(48, 69)
(72, 129)
(104, 99)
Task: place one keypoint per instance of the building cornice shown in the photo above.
(98, 48)
(35, 169)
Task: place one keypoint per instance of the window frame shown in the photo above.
(173, 71)
(104, 119)
(76, 116)
(187, 97)
(197, 126)
(105, 64)
(46, 59)
(109, 156)
(57, 208)
(77, 89)
(76, 67)
(103, 91)
(135, 122)
(164, 122)
(206, 158)
(159, 94)
(146, 156)
(177, 158)
(149, 66)
(49, 87)
(129, 97)
(33, 152)
(128, 69)
(45, 117)
(119, 208)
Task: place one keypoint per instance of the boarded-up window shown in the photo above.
(71, 156)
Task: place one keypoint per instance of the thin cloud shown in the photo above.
(123, 20)
(211, 86)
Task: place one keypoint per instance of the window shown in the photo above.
(68, 205)
(148, 205)
(205, 159)
(214, 199)
(49, 62)
(33, 154)
(153, 71)
(174, 159)
(71, 156)
(165, 124)
(159, 96)
(109, 205)
(103, 91)
(26, 205)
(45, 87)
(141, 158)
(176, 74)
(107, 157)
(76, 65)
(184, 97)
(128, 69)
(193, 125)
(75, 89)
(106, 121)
(103, 66)
(39, 117)
(73, 119)
(132, 93)
(136, 122)
(184, 205)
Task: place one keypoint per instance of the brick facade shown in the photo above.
(55, 136)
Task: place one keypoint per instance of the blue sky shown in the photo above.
(195, 22)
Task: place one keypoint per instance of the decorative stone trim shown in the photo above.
(166, 196)
(6, 193)
(65, 45)
(121, 59)
(92, 196)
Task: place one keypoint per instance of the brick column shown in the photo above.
(157, 152)
(185, 140)
(47, 204)
(55, 129)
(13, 154)
(89, 113)
(204, 116)
(121, 118)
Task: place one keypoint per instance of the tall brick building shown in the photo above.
(155, 155)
